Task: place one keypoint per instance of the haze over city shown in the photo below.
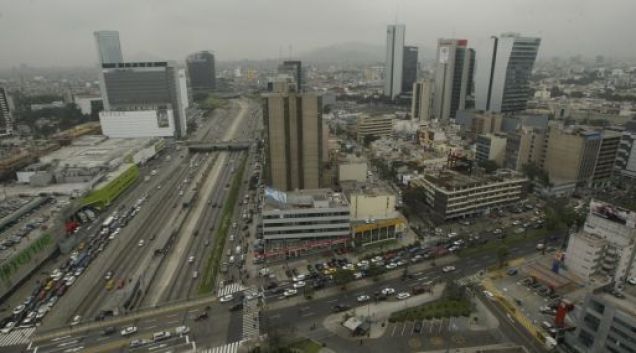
(55, 33)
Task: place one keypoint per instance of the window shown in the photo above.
(586, 338)
(596, 306)
(592, 322)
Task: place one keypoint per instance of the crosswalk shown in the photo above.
(227, 348)
(230, 289)
(16, 337)
(251, 320)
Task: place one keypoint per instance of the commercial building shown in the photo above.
(606, 247)
(604, 323)
(491, 147)
(570, 154)
(201, 70)
(298, 223)
(502, 83)
(409, 69)
(143, 99)
(626, 155)
(394, 60)
(452, 195)
(606, 158)
(108, 47)
(455, 64)
(421, 101)
(294, 69)
(478, 123)
(293, 128)
(6, 115)
(374, 126)
(523, 147)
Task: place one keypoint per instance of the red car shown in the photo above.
(121, 283)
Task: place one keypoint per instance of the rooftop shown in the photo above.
(452, 180)
(311, 198)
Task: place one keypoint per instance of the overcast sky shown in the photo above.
(59, 32)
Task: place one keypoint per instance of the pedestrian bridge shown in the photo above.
(197, 146)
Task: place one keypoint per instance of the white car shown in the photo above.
(391, 266)
(388, 291)
(128, 330)
(18, 309)
(289, 292)
(76, 320)
(141, 243)
(489, 294)
(632, 281)
(299, 284)
(348, 267)
(358, 275)
(298, 278)
(181, 330)
(191, 259)
(8, 327)
(448, 269)
(226, 298)
(70, 280)
(363, 298)
(403, 295)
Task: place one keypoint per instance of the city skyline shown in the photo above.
(561, 28)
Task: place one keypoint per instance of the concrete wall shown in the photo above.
(372, 206)
(141, 123)
(352, 171)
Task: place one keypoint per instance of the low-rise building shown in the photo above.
(299, 223)
(374, 127)
(452, 195)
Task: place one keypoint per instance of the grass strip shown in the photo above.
(213, 261)
(442, 308)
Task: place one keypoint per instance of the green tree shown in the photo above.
(502, 254)
(342, 277)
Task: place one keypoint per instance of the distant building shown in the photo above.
(201, 71)
(325, 222)
(523, 147)
(606, 158)
(393, 64)
(375, 126)
(570, 155)
(108, 47)
(293, 129)
(143, 99)
(409, 69)
(294, 69)
(503, 76)
(421, 102)
(491, 147)
(452, 195)
(6, 115)
(625, 164)
(454, 68)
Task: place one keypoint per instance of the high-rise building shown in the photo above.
(453, 78)
(108, 47)
(294, 69)
(201, 70)
(421, 102)
(293, 127)
(491, 147)
(409, 69)
(394, 60)
(606, 158)
(570, 155)
(143, 99)
(523, 147)
(503, 73)
(625, 164)
(6, 117)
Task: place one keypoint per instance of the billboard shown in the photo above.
(613, 213)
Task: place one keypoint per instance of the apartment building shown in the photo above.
(625, 164)
(452, 195)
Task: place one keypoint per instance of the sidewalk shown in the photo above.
(356, 285)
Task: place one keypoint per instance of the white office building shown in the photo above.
(503, 73)
(108, 47)
(394, 60)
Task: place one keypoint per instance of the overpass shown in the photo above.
(197, 146)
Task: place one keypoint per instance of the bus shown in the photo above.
(108, 222)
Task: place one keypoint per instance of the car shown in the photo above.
(363, 298)
(160, 336)
(632, 281)
(299, 284)
(298, 278)
(447, 269)
(191, 259)
(128, 330)
(110, 284)
(540, 246)
(181, 330)
(8, 327)
(138, 343)
(403, 295)
(290, 292)
(109, 331)
(489, 294)
(390, 266)
(388, 291)
(108, 275)
(18, 309)
(76, 320)
(201, 316)
(340, 308)
(512, 271)
(418, 327)
(497, 231)
(141, 243)
(226, 298)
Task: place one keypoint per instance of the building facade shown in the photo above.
(504, 72)
(421, 101)
(293, 126)
(298, 223)
(374, 127)
(625, 164)
(201, 70)
(606, 158)
(409, 69)
(453, 78)
(570, 154)
(294, 69)
(152, 87)
(394, 60)
(6, 115)
(491, 147)
(108, 47)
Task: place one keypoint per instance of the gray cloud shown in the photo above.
(59, 32)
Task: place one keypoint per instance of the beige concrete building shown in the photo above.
(606, 157)
(523, 147)
(421, 102)
(374, 126)
(570, 155)
(293, 126)
(486, 123)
